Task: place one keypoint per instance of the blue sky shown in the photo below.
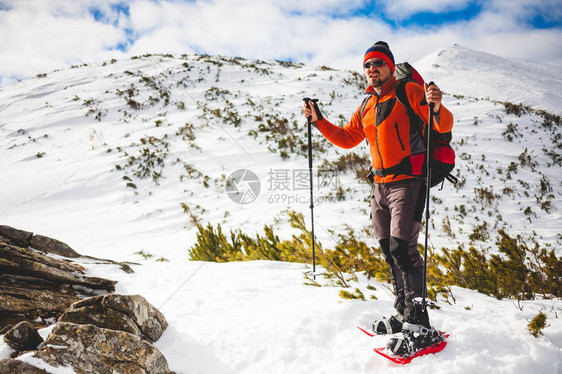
(470, 11)
(43, 35)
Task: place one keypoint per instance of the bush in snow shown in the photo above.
(537, 324)
(349, 256)
(517, 271)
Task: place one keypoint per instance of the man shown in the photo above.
(398, 192)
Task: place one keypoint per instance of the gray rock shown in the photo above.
(13, 366)
(129, 313)
(33, 285)
(101, 317)
(42, 243)
(91, 349)
(23, 337)
(50, 245)
(15, 236)
(29, 263)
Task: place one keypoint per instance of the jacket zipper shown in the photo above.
(398, 134)
(376, 131)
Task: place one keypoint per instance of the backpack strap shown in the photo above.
(364, 104)
(415, 120)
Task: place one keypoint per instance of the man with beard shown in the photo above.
(398, 192)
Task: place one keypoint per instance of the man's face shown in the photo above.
(376, 75)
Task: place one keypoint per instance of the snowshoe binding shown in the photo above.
(385, 326)
(413, 339)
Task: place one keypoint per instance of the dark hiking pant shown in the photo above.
(397, 209)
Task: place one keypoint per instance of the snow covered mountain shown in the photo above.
(122, 159)
(476, 74)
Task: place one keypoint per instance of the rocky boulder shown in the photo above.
(37, 287)
(129, 313)
(42, 243)
(91, 349)
(23, 337)
(105, 333)
(101, 334)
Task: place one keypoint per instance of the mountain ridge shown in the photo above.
(509, 79)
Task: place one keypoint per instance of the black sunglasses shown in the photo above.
(376, 63)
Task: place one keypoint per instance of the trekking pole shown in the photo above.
(428, 151)
(309, 120)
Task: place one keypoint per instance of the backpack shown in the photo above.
(442, 154)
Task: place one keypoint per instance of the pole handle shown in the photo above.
(431, 105)
(308, 100)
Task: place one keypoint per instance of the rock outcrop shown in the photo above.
(23, 337)
(132, 314)
(91, 349)
(27, 239)
(34, 286)
(104, 333)
(108, 334)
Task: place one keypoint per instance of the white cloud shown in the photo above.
(39, 36)
(260, 29)
(147, 15)
(42, 36)
(550, 10)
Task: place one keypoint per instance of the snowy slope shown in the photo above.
(476, 74)
(72, 169)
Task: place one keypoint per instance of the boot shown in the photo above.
(414, 312)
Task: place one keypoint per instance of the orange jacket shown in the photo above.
(386, 125)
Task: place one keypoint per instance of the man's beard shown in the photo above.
(378, 81)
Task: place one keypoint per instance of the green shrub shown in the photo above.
(349, 256)
(358, 295)
(480, 232)
(149, 160)
(437, 281)
(537, 324)
(485, 195)
(550, 120)
(213, 245)
(517, 271)
(517, 109)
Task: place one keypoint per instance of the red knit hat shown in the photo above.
(381, 50)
